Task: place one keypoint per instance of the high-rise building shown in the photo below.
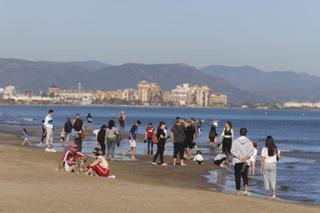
(218, 100)
(9, 92)
(149, 93)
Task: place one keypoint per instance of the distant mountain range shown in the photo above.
(241, 84)
(275, 85)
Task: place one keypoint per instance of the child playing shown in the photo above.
(198, 158)
(26, 139)
(220, 160)
(63, 137)
(253, 158)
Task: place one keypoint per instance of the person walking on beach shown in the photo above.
(90, 121)
(161, 137)
(79, 131)
(111, 133)
(68, 130)
(48, 123)
(122, 121)
(101, 138)
(227, 137)
(213, 132)
(242, 149)
(190, 137)
(178, 138)
(25, 136)
(148, 138)
(133, 140)
(270, 155)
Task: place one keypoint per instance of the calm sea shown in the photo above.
(296, 132)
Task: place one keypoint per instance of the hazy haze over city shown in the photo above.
(271, 35)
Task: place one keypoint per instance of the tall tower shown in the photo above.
(79, 86)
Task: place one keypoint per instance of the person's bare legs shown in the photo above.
(222, 164)
(174, 161)
(182, 163)
(133, 151)
(246, 193)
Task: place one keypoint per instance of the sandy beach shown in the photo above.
(30, 183)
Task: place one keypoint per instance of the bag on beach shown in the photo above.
(155, 139)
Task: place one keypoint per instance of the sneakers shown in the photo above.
(164, 164)
(50, 150)
(154, 163)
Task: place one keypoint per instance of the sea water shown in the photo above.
(296, 133)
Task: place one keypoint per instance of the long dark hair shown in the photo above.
(229, 124)
(272, 148)
(160, 124)
(111, 124)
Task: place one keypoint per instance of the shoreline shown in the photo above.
(182, 188)
(156, 107)
(191, 177)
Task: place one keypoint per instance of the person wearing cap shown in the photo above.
(253, 158)
(100, 166)
(70, 157)
(213, 133)
(48, 124)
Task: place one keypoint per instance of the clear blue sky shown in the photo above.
(272, 35)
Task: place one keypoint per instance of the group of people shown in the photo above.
(244, 153)
(183, 135)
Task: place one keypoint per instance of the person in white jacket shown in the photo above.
(48, 124)
(242, 149)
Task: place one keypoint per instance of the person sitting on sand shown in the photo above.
(70, 157)
(253, 158)
(25, 136)
(198, 158)
(100, 166)
(220, 160)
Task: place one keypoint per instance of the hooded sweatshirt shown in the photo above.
(242, 147)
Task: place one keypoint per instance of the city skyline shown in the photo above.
(252, 33)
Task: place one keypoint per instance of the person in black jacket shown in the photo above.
(162, 137)
(68, 129)
(101, 138)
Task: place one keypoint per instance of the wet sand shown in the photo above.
(30, 183)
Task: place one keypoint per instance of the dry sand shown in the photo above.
(30, 183)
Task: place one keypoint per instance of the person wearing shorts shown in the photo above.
(133, 140)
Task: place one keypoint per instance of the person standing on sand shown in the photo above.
(25, 136)
(79, 131)
(48, 123)
(242, 149)
(111, 134)
(133, 140)
(270, 155)
(213, 133)
(122, 121)
(90, 121)
(44, 133)
(101, 138)
(190, 138)
(68, 129)
(178, 138)
(162, 137)
(148, 138)
(227, 137)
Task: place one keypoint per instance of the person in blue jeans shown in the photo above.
(148, 137)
